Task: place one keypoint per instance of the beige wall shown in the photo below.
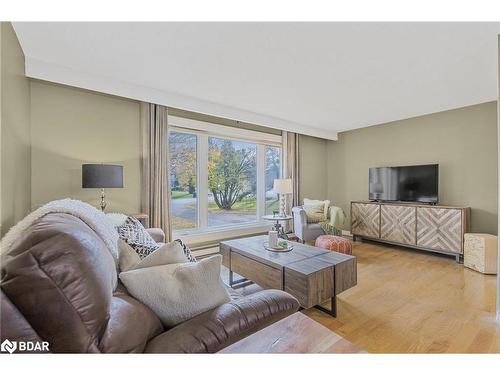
(15, 131)
(463, 141)
(498, 181)
(70, 127)
(313, 170)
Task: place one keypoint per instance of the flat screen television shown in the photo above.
(416, 183)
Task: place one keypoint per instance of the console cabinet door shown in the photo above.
(398, 224)
(365, 219)
(440, 229)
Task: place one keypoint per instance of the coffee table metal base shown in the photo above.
(236, 283)
(333, 309)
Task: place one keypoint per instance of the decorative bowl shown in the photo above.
(278, 249)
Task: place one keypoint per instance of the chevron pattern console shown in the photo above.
(398, 224)
(433, 228)
(365, 219)
(440, 229)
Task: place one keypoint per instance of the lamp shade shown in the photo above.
(102, 176)
(283, 186)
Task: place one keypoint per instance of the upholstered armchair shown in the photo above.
(304, 231)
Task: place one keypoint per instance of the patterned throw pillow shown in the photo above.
(187, 251)
(134, 234)
(315, 213)
(326, 204)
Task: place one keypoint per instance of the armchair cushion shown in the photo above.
(215, 329)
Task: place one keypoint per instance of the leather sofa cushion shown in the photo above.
(13, 326)
(131, 325)
(215, 329)
(60, 276)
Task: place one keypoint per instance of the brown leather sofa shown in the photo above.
(57, 285)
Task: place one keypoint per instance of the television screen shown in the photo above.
(417, 183)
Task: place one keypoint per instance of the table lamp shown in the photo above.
(101, 176)
(283, 186)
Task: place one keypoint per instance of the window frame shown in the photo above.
(204, 130)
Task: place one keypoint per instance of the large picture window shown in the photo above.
(272, 172)
(183, 180)
(219, 181)
(232, 182)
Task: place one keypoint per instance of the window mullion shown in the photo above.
(261, 189)
(202, 181)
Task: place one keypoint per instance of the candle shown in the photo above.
(273, 238)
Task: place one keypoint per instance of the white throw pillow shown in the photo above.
(310, 202)
(128, 257)
(168, 253)
(178, 292)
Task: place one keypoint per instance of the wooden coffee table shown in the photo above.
(311, 274)
(296, 333)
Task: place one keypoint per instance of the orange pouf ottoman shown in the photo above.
(334, 243)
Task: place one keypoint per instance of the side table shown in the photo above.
(277, 226)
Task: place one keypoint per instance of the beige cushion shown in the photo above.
(325, 203)
(178, 292)
(315, 212)
(168, 253)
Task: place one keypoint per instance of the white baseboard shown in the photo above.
(206, 252)
(347, 233)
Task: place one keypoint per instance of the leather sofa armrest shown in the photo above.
(215, 329)
(157, 233)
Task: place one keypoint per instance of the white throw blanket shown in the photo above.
(94, 218)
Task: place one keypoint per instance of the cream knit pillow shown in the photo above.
(178, 292)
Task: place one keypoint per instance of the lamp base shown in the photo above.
(103, 200)
(282, 205)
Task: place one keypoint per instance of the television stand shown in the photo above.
(420, 226)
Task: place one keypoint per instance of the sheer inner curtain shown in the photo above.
(155, 190)
(291, 169)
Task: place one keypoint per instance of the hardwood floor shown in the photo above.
(414, 302)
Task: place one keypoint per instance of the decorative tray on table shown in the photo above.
(278, 249)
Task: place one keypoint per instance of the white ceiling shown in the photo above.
(315, 78)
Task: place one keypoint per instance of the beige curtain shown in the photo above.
(291, 168)
(155, 188)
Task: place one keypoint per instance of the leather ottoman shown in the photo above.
(334, 243)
